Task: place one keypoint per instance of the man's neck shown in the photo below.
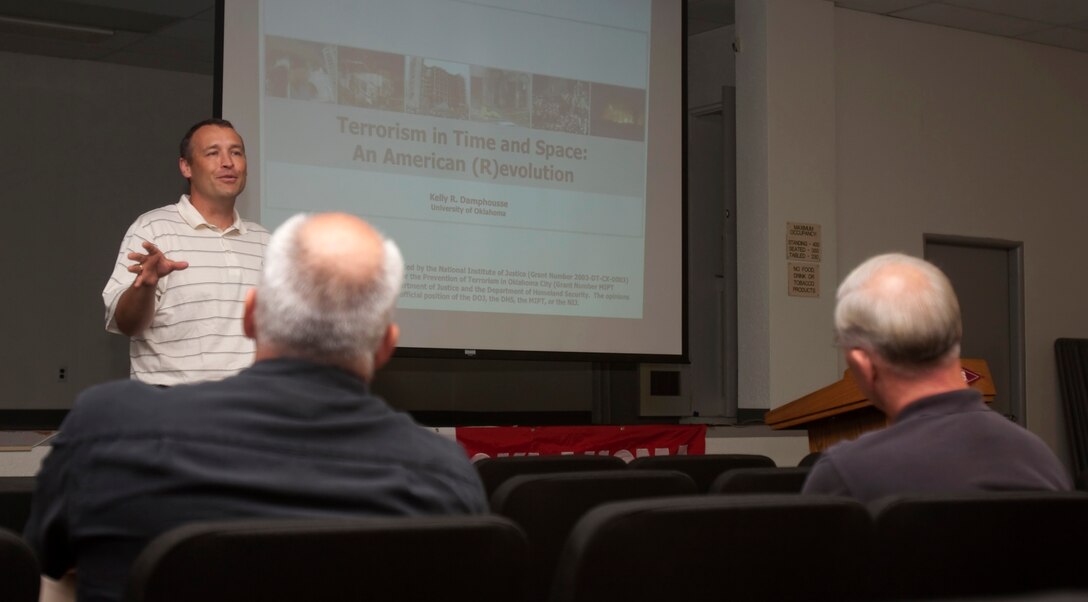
(907, 389)
(266, 351)
(219, 213)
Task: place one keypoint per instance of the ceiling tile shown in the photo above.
(1066, 37)
(175, 47)
(66, 48)
(882, 7)
(172, 8)
(51, 47)
(167, 63)
(185, 28)
(1057, 12)
(971, 20)
(34, 28)
(90, 14)
(191, 29)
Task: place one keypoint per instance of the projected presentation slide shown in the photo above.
(503, 145)
(526, 155)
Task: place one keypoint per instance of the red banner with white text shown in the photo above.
(627, 442)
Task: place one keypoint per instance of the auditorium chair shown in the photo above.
(493, 471)
(755, 548)
(481, 557)
(547, 506)
(703, 468)
(775, 479)
(980, 544)
(16, 494)
(1071, 357)
(809, 459)
(1061, 595)
(19, 573)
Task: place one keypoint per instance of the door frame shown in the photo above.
(1015, 253)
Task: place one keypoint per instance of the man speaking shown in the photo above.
(183, 270)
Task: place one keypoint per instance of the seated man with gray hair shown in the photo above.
(898, 322)
(297, 434)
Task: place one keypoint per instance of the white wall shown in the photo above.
(951, 132)
(785, 173)
(933, 130)
(86, 148)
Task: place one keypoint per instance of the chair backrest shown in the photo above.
(747, 547)
(287, 560)
(19, 573)
(1061, 595)
(703, 468)
(809, 459)
(775, 479)
(493, 471)
(1071, 357)
(16, 494)
(547, 506)
(980, 544)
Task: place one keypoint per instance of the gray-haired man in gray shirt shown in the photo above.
(898, 322)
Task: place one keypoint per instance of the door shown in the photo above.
(987, 275)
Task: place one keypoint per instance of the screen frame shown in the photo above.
(513, 354)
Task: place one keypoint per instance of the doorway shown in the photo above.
(987, 275)
(712, 269)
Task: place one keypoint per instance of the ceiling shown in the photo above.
(178, 35)
(1061, 23)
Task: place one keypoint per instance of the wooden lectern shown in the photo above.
(841, 411)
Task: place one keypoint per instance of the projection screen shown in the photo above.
(526, 156)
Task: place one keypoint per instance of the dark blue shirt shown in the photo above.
(945, 443)
(282, 438)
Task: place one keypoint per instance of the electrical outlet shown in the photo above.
(62, 374)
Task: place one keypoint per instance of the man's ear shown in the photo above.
(186, 170)
(387, 346)
(248, 325)
(862, 367)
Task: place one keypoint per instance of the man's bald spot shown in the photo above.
(897, 279)
(342, 245)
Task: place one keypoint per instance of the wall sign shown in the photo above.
(802, 242)
(804, 279)
(803, 259)
(626, 442)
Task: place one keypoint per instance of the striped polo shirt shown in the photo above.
(196, 333)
